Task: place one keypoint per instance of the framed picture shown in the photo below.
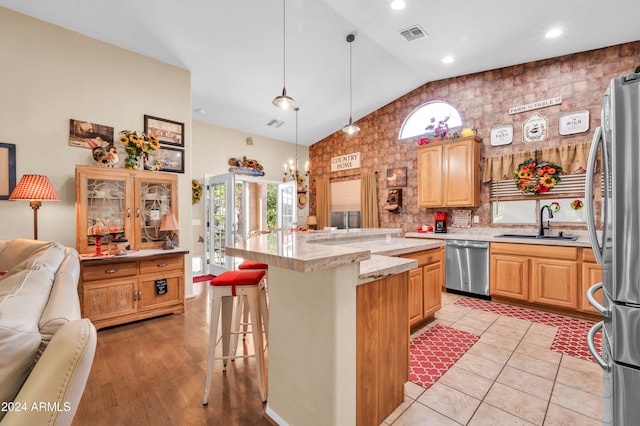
(89, 135)
(167, 131)
(573, 122)
(7, 169)
(397, 177)
(171, 159)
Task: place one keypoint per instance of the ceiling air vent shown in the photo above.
(275, 123)
(413, 33)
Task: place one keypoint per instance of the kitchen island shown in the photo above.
(338, 331)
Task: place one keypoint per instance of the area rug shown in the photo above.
(202, 278)
(433, 352)
(571, 338)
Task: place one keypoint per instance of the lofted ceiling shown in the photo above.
(234, 49)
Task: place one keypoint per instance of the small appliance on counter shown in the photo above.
(441, 222)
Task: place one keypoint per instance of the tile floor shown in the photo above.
(508, 377)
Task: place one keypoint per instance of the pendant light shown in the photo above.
(350, 128)
(292, 172)
(284, 101)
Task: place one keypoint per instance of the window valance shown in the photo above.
(572, 158)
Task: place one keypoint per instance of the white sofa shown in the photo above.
(46, 349)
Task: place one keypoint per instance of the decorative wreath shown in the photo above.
(537, 178)
(196, 191)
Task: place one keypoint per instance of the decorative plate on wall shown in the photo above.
(535, 128)
(501, 135)
(573, 122)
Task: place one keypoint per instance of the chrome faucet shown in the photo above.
(541, 227)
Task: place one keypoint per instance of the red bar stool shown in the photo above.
(223, 289)
(246, 265)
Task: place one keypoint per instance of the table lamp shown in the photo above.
(34, 188)
(312, 222)
(169, 223)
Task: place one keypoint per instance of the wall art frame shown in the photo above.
(168, 132)
(396, 177)
(171, 159)
(7, 169)
(83, 134)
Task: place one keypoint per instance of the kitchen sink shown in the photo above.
(544, 237)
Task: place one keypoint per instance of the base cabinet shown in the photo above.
(382, 339)
(114, 292)
(591, 273)
(425, 285)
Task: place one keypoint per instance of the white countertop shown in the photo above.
(305, 252)
(489, 235)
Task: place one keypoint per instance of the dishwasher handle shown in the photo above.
(468, 244)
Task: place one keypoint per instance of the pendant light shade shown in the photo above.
(284, 101)
(350, 128)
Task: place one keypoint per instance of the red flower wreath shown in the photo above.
(536, 178)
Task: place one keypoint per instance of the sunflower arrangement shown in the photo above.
(537, 178)
(137, 144)
(196, 191)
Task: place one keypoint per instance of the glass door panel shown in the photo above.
(220, 213)
(155, 200)
(287, 207)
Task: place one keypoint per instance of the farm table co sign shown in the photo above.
(535, 105)
(345, 162)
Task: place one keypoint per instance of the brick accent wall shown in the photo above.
(483, 100)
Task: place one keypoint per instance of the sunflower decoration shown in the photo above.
(138, 145)
(196, 191)
(537, 178)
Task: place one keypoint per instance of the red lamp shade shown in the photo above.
(34, 188)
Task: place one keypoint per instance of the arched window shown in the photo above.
(429, 113)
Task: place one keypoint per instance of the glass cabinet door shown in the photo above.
(104, 211)
(155, 197)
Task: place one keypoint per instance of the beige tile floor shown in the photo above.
(509, 377)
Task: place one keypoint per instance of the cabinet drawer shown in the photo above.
(161, 264)
(109, 271)
(536, 250)
(426, 257)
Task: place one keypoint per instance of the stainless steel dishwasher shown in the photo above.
(467, 267)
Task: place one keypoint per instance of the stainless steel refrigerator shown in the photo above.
(618, 139)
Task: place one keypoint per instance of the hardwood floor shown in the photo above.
(152, 373)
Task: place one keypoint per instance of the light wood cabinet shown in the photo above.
(382, 339)
(425, 284)
(448, 173)
(538, 274)
(129, 201)
(591, 274)
(119, 290)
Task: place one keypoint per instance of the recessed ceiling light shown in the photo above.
(398, 4)
(447, 59)
(553, 33)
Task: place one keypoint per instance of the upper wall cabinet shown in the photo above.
(449, 173)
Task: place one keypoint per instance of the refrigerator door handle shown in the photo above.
(591, 297)
(588, 194)
(592, 347)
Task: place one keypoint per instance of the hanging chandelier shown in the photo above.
(284, 101)
(291, 169)
(350, 128)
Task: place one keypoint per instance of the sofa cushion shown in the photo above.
(23, 296)
(22, 253)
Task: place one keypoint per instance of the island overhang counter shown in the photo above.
(338, 327)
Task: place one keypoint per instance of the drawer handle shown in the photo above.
(110, 271)
(161, 265)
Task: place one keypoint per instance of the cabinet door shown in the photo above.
(415, 296)
(554, 282)
(106, 299)
(155, 195)
(102, 206)
(509, 276)
(430, 184)
(432, 288)
(157, 290)
(591, 274)
(460, 169)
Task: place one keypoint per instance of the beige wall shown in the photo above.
(212, 148)
(50, 75)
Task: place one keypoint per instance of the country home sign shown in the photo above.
(345, 162)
